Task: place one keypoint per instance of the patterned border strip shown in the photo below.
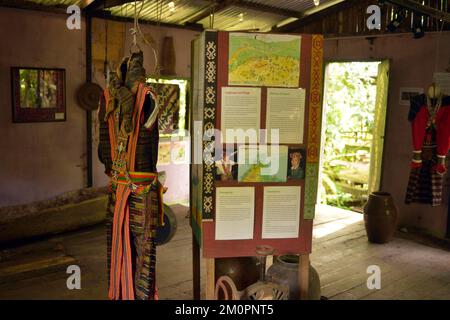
(209, 122)
(314, 127)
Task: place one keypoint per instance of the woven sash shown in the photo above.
(121, 275)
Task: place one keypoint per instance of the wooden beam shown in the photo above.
(97, 5)
(94, 5)
(220, 5)
(28, 5)
(422, 9)
(210, 282)
(322, 14)
(108, 16)
(270, 9)
(56, 8)
(215, 7)
(196, 268)
(89, 133)
(303, 277)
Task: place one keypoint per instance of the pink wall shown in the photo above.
(40, 160)
(412, 65)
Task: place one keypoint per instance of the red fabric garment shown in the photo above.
(442, 121)
(431, 144)
(443, 130)
(419, 128)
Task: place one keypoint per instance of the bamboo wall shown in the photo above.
(352, 20)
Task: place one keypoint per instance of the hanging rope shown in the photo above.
(157, 69)
(106, 63)
(136, 30)
(438, 45)
(211, 17)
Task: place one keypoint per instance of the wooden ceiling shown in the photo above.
(230, 15)
(329, 17)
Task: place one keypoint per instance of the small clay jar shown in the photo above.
(380, 217)
(284, 271)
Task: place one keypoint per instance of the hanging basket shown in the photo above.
(88, 96)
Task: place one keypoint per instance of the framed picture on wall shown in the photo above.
(38, 94)
(407, 93)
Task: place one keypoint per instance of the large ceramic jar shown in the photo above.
(380, 217)
(284, 271)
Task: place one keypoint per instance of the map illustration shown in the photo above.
(264, 60)
(259, 165)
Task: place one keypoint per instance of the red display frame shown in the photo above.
(213, 248)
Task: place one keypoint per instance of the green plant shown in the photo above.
(349, 103)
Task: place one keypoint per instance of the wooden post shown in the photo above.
(196, 268)
(303, 276)
(210, 278)
(89, 168)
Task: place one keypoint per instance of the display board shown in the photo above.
(255, 181)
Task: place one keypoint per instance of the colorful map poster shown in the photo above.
(264, 60)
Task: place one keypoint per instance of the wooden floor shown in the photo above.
(341, 255)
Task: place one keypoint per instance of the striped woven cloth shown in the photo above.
(133, 216)
(425, 185)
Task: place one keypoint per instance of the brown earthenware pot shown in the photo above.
(244, 271)
(380, 217)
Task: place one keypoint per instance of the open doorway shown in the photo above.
(355, 101)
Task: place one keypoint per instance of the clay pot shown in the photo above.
(244, 271)
(284, 271)
(380, 217)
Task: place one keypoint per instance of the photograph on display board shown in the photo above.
(296, 164)
(262, 164)
(407, 93)
(264, 60)
(226, 164)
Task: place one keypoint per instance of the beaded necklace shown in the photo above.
(433, 110)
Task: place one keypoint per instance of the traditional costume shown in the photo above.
(128, 148)
(430, 122)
